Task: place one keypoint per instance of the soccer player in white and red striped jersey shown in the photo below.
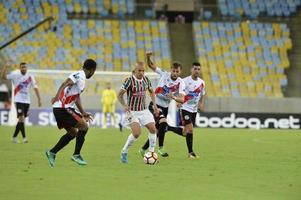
(75, 123)
(192, 103)
(22, 82)
(137, 113)
(169, 82)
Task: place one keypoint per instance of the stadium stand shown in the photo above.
(116, 44)
(255, 8)
(243, 59)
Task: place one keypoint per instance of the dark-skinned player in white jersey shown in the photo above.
(74, 122)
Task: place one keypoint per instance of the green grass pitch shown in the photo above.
(234, 164)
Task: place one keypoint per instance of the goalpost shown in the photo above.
(50, 80)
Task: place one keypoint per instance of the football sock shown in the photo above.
(177, 130)
(65, 139)
(189, 141)
(152, 141)
(22, 129)
(17, 129)
(130, 141)
(80, 139)
(161, 133)
(146, 145)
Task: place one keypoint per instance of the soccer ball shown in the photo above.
(150, 158)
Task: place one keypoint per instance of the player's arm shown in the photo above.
(68, 82)
(179, 98)
(3, 73)
(38, 96)
(149, 61)
(36, 90)
(153, 98)
(121, 99)
(79, 105)
(201, 104)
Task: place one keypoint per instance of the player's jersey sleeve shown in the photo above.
(11, 76)
(126, 84)
(78, 78)
(34, 82)
(75, 77)
(203, 90)
(160, 71)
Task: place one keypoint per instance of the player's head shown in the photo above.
(23, 68)
(89, 67)
(196, 69)
(139, 70)
(175, 71)
(108, 85)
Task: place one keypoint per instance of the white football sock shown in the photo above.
(130, 141)
(152, 141)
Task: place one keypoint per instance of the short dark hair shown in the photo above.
(196, 64)
(176, 65)
(22, 63)
(89, 64)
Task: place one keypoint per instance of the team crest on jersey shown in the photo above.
(76, 76)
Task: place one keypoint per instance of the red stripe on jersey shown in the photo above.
(19, 87)
(140, 89)
(71, 98)
(75, 115)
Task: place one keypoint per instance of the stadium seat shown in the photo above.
(241, 59)
(254, 8)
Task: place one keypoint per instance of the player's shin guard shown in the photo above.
(80, 139)
(152, 142)
(65, 139)
(177, 130)
(130, 141)
(189, 142)
(161, 133)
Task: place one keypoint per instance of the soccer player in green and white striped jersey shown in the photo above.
(137, 113)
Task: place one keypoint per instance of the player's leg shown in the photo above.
(136, 131)
(161, 135)
(63, 141)
(177, 130)
(147, 119)
(82, 127)
(188, 121)
(22, 128)
(146, 144)
(20, 116)
(67, 119)
(152, 137)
